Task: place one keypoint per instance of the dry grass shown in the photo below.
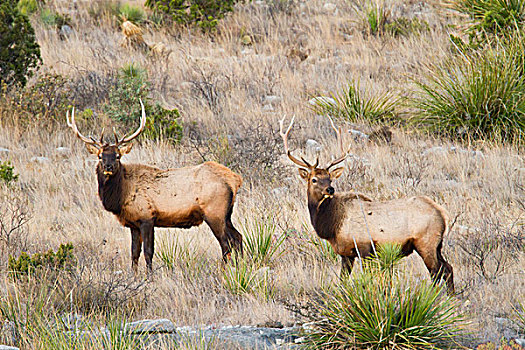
(220, 86)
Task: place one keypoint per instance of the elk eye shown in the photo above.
(314, 180)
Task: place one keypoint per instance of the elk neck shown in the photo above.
(110, 189)
(326, 216)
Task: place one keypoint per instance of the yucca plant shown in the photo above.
(354, 105)
(261, 242)
(380, 308)
(476, 95)
(243, 276)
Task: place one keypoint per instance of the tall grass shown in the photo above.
(476, 95)
(382, 308)
(354, 105)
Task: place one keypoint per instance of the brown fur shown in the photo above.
(352, 222)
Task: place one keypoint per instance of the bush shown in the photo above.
(203, 13)
(131, 13)
(19, 51)
(352, 106)
(27, 264)
(379, 308)
(7, 175)
(478, 95)
(124, 106)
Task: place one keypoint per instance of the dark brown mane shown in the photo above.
(327, 217)
(110, 189)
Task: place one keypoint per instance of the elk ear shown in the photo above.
(125, 149)
(92, 149)
(303, 173)
(334, 174)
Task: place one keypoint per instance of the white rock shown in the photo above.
(268, 108)
(40, 160)
(322, 100)
(434, 150)
(162, 325)
(272, 99)
(520, 342)
(358, 134)
(313, 145)
(329, 7)
(5, 150)
(5, 347)
(63, 151)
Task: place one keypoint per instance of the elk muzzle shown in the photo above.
(329, 192)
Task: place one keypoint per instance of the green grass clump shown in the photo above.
(353, 105)
(242, 276)
(476, 95)
(380, 308)
(7, 174)
(261, 243)
(131, 13)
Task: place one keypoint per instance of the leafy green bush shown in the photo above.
(7, 174)
(27, 264)
(124, 107)
(380, 309)
(28, 7)
(203, 13)
(478, 95)
(352, 105)
(19, 51)
(54, 19)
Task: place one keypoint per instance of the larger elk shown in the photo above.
(353, 223)
(143, 197)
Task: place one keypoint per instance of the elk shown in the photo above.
(353, 223)
(143, 197)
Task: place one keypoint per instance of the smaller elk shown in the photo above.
(142, 197)
(353, 223)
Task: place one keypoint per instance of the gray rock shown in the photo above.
(322, 100)
(150, 326)
(272, 99)
(40, 160)
(65, 31)
(63, 151)
(520, 342)
(5, 150)
(358, 135)
(313, 146)
(6, 347)
(434, 150)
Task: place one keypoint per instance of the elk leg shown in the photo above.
(218, 227)
(346, 265)
(234, 237)
(146, 230)
(446, 272)
(437, 267)
(136, 242)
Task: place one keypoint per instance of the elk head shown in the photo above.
(108, 153)
(319, 180)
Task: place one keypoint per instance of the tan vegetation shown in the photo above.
(221, 88)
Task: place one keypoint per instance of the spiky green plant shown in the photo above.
(353, 104)
(131, 13)
(242, 276)
(476, 95)
(261, 243)
(381, 308)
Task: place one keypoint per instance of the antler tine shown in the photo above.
(116, 136)
(284, 136)
(140, 128)
(71, 123)
(102, 136)
(340, 142)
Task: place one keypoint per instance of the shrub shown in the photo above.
(203, 13)
(7, 174)
(131, 13)
(54, 19)
(124, 107)
(379, 308)
(27, 264)
(478, 95)
(261, 242)
(491, 16)
(28, 7)
(352, 105)
(19, 51)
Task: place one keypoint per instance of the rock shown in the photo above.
(272, 99)
(520, 342)
(268, 108)
(358, 135)
(329, 7)
(40, 160)
(5, 347)
(322, 100)
(434, 150)
(150, 326)
(63, 151)
(313, 146)
(4, 150)
(65, 32)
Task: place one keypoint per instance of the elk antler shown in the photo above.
(137, 132)
(284, 135)
(71, 123)
(340, 141)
